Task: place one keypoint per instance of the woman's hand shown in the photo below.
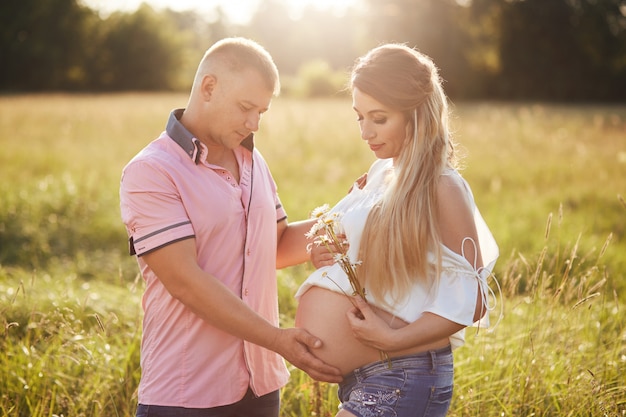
(321, 256)
(429, 330)
(369, 328)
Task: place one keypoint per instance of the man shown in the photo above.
(207, 226)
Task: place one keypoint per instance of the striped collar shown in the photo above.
(186, 140)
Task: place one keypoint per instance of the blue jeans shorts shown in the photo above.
(416, 385)
(249, 406)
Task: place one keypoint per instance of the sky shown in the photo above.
(238, 11)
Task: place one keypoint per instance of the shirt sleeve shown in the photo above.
(461, 281)
(264, 170)
(151, 208)
(457, 293)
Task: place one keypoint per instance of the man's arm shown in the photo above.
(209, 299)
(292, 242)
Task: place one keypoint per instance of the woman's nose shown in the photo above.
(367, 134)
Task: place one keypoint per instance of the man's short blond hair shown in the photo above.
(236, 55)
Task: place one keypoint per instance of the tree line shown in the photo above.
(567, 50)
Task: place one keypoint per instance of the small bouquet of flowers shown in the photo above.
(328, 223)
(325, 232)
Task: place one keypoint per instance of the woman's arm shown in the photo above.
(373, 331)
(456, 223)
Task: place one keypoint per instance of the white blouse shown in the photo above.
(455, 296)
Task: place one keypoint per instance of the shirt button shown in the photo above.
(249, 253)
(245, 292)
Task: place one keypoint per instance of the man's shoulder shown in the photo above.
(259, 160)
(156, 157)
(157, 152)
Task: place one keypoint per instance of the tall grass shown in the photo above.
(549, 179)
(70, 347)
(560, 349)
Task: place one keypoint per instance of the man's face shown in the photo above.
(235, 108)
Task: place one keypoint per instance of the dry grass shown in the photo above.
(548, 180)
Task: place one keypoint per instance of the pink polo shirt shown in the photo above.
(168, 193)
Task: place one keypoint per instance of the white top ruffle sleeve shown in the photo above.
(455, 296)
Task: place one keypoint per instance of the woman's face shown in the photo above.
(384, 129)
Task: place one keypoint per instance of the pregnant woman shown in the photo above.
(425, 252)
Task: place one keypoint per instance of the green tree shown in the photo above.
(539, 52)
(42, 44)
(435, 27)
(139, 52)
(563, 49)
(600, 26)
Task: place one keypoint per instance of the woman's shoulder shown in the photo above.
(379, 170)
(453, 187)
(380, 165)
(455, 207)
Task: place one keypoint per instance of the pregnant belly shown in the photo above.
(323, 313)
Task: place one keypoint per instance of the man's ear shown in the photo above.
(207, 86)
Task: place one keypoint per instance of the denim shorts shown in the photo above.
(417, 385)
(249, 406)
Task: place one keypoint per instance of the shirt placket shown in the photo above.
(246, 184)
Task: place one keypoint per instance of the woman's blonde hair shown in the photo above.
(402, 230)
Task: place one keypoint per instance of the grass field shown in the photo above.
(550, 180)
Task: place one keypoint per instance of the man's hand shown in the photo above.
(295, 345)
